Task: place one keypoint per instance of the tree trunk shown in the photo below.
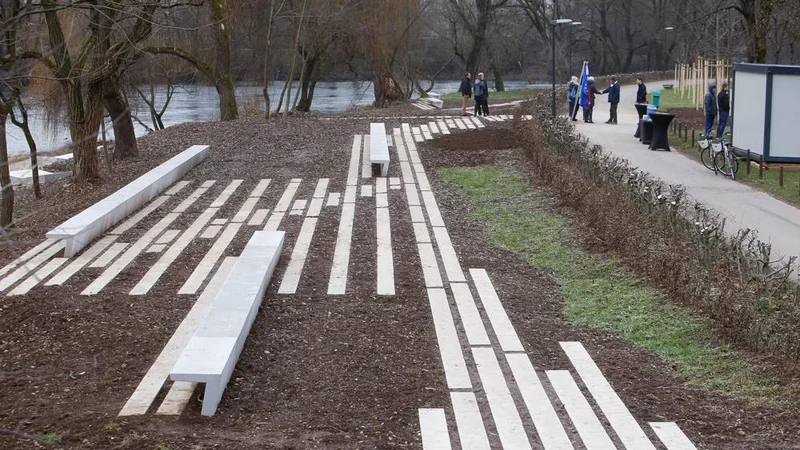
(227, 99)
(267, 50)
(24, 125)
(228, 110)
(7, 202)
(386, 89)
(120, 112)
(308, 85)
(84, 132)
(499, 85)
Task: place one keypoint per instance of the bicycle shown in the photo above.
(705, 152)
(725, 160)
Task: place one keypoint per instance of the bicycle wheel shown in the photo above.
(733, 162)
(727, 167)
(705, 156)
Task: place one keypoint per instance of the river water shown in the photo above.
(200, 103)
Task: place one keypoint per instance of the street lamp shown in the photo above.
(553, 24)
(572, 36)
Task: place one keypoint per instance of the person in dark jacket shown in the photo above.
(574, 87)
(481, 97)
(641, 93)
(466, 91)
(710, 106)
(592, 93)
(724, 104)
(613, 98)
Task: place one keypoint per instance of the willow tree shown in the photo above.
(388, 27)
(475, 17)
(88, 67)
(217, 68)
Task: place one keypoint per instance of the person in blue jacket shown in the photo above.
(613, 98)
(574, 87)
(481, 96)
(710, 106)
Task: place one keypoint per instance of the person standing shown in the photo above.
(641, 93)
(481, 96)
(466, 91)
(613, 98)
(592, 92)
(574, 87)
(710, 106)
(724, 105)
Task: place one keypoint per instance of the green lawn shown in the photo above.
(670, 98)
(519, 94)
(599, 292)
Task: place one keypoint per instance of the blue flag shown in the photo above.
(584, 102)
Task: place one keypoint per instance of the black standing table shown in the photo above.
(661, 122)
(641, 108)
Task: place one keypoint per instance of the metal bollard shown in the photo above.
(693, 138)
(761, 168)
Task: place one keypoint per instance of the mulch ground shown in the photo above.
(649, 387)
(317, 371)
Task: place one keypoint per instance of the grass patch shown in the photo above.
(516, 94)
(671, 98)
(598, 292)
(789, 192)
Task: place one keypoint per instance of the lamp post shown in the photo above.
(574, 24)
(553, 24)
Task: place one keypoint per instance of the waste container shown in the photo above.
(656, 98)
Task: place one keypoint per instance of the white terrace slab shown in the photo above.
(211, 354)
(95, 220)
(379, 150)
(26, 176)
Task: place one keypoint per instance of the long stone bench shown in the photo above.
(434, 100)
(379, 148)
(211, 353)
(82, 228)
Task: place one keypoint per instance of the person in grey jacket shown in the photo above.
(710, 106)
(481, 96)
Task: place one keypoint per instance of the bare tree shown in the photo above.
(218, 70)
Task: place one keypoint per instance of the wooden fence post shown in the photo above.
(748, 163)
(780, 177)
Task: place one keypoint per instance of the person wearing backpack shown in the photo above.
(574, 87)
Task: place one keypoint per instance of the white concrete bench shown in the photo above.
(379, 148)
(81, 229)
(211, 353)
(434, 100)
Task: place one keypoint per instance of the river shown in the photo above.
(199, 103)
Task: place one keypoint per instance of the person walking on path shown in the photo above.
(481, 96)
(710, 106)
(574, 86)
(613, 98)
(641, 92)
(724, 105)
(592, 93)
(466, 91)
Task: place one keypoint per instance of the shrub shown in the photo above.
(679, 245)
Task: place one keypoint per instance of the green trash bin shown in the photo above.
(656, 98)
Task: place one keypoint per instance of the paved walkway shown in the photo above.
(743, 206)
